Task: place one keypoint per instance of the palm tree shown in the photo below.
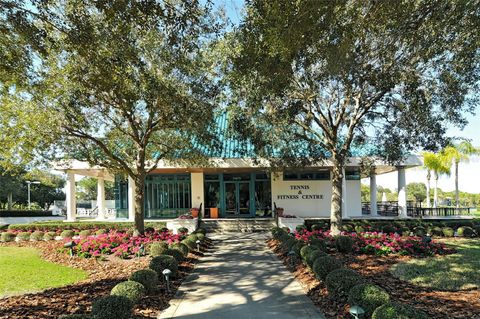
(438, 164)
(460, 153)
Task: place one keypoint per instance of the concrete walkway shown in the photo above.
(240, 278)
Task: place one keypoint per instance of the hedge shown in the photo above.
(25, 213)
(54, 226)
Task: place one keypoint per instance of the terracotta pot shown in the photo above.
(194, 212)
(214, 212)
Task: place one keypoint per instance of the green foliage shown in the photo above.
(367, 296)
(23, 236)
(436, 231)
(147, 277)
(37, 235)
(305, 251)
(162, 262)
(175, 253)
(49, 235)
(317, 227)
(313, 256)
(190, 243)
(133, 290)
(388, 229)
(278, 232)
(101, 231)
(419, 231)
(7, 237)
(67, 234)
(180, 247)
(448, 231)
(322, 266)
(87, 189)
(112, 307)
(182, 230)
(300, 228)
(344, 244)
(84, 233)
(297, 247)
(319, 243)
(201, 237)
(416, 192)
(54, 226)
(466, 231)
(398, 311)
(157, 248)
(340, 281)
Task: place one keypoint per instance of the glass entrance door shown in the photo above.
(237, 199)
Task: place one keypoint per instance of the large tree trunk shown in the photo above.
(435, 192)
(139, 202)
(337, 190)
(9, 201)
(428, 188)
(456, 185)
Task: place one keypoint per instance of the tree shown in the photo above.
(87, 189)
(11, 187)
(49, 190)
(124, 84)
(417, 191)
(313, 81)
(460, 153)
(439, 164)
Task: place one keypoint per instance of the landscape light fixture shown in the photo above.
(28, 183)
(167, 273)
(357, 312)
(69, 245)
(198, 245)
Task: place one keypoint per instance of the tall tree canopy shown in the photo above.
(316, 78)
(124, 84)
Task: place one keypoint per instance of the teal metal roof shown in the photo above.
(231, 147)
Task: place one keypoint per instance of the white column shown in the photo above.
(131, 199)
(344, 194)
(402, 193)
(101, 198)
(70, 197)
(373, 194)
(198, 191)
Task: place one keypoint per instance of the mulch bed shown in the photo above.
(437, 304)
(103, 275)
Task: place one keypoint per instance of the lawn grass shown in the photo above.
(458, 271)
(22, 270)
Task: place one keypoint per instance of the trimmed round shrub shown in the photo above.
(37, 235)
(290, 243)
(147, 277)
(202, 231)
(340, 281)
(149, 230)
(100, 231)
(322, 266)
(319, 243)
(180, 247)
(49, 235)
(23, 236)
(192, 237)
(277, 233)
(162, 262)
(436, 231)
(297, 247)
(359, 229)
(344, 244)
(388, 229)
(67, 233)
(7, 237)
(300, 228)
(201, 236)
(306, 251)
(191, 244)
(477, 230)
(85, 233)
(368, 296)
(182, 230)
(164, 230)
(419, 231)
(398, 311)
(448, 231)
(465, 231)
(175, 253)
(131, 289)
(314, 255)
(112, 307)
(157, 248)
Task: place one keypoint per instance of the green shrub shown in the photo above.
(191, 244)
(448, 231)
(202, 231)
(344, 244)
(319, 243)
(157, 248)
(322, 266)
(182, 230)
(477, 230)
(180, 247)
(398, 311)
(465, 231)
(367, 296)
(23, 236)
(314, 255)
(84, 233)
(388, 229)
(347, 228)
(306, 251)
(175, 253)
(7, 237)
(147, 277)
(131, 289)
(101, 231)
(37, 235)
(290, 243)
(278, 233)
(54, 226)
(436, 231)
(419, 231)
(67, 234)
(162, 262)
(340, 281)
(192, 237)
(112, 307)
(297, 247)
(49, 235)
(359, 229)
(300, 228)
(201, 237)
(317, 227)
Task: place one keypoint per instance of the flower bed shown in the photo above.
(375, 243)
(120, 244)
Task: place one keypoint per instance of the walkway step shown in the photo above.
(237, 225)
(240, 279)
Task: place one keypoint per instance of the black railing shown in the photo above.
(413, 210)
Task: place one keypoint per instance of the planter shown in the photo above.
(214, 212)
(194, 212)
(291, 223)
(190, 224)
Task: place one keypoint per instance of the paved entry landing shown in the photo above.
(241, 279)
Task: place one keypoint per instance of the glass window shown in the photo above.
(262, 176)
(263, 199)
(167, 196)
(352, 174)
(322, 175)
